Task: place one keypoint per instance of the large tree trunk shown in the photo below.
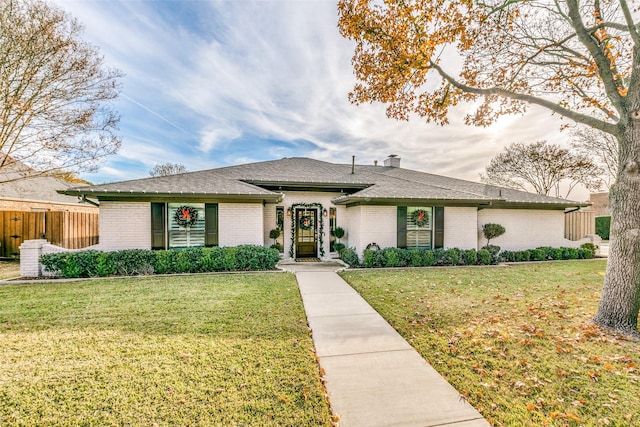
(620, 301)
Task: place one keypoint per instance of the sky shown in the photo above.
(217, 83)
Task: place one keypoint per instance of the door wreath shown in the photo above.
(306, 222)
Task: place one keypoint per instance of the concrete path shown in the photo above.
(373, 376)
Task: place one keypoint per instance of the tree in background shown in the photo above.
(544, 167)
(578, 59)
(54, 92)
(167, 169)
(601, 147)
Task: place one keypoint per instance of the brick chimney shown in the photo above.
(393, 160)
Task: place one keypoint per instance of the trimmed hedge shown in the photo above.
(547, 254)
(92, 263)
(603, 226)
(395, 257)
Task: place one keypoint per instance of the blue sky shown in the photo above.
(217, 83)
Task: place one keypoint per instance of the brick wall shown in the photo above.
(460, 227)
(525, 228)
(240, 224)
(125, 225)
(378, 224)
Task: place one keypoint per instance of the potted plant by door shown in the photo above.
(274, 234)
(338, 233)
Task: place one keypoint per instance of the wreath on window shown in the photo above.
(186, 216)
(420, 218)
(306, 222)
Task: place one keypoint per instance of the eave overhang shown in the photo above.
(479, 203)
(169, 196)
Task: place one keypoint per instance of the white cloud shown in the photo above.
(225, 71)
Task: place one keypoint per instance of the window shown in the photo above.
(419, 227)
(280, 226)
(182, 225)
(332, 226)
(186, 224)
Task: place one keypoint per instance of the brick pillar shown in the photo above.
(30, 251)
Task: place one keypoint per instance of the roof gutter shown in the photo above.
(128, 195)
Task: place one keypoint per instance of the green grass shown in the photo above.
(515, 341)
(224, 350)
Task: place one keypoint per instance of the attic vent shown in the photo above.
(393, 160)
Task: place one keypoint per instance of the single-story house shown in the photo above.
(306, 199)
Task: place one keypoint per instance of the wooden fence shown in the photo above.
(71, 230)
(579, 224)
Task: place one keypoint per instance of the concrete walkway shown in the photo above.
(373, 376)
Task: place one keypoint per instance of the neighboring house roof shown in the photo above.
(17, 185)
(359, 184)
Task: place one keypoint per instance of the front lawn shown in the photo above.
(201, 350)
(515, 340)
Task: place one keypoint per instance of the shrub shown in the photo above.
(570, 253)
(251, 257)
(350, 256)
(452, 256)
(337, 247)
(188, 260)
(491, 231)
(494, 250)
(522, 256)
(590, 247)
(603, 226)
(537, 255)
(395, 257)
(470, 257)
(137, 261)
(373, 259)
(338, 232)
(212, 259)
(131, 262)
(164, 262)
(484, 257)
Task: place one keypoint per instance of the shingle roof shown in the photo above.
(17, 184)
(368, 184)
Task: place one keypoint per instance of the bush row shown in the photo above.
(92, 263)
(395, 257)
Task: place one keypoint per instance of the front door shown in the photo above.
(306, 242)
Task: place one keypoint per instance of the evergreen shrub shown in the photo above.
(129, 262)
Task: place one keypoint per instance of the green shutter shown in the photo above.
(158, 224)
(211, 224)
(438, 232)
(402, 227)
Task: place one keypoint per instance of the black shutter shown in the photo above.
(211, 224)
(158, 224)
(438, 232)
(402, 226)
